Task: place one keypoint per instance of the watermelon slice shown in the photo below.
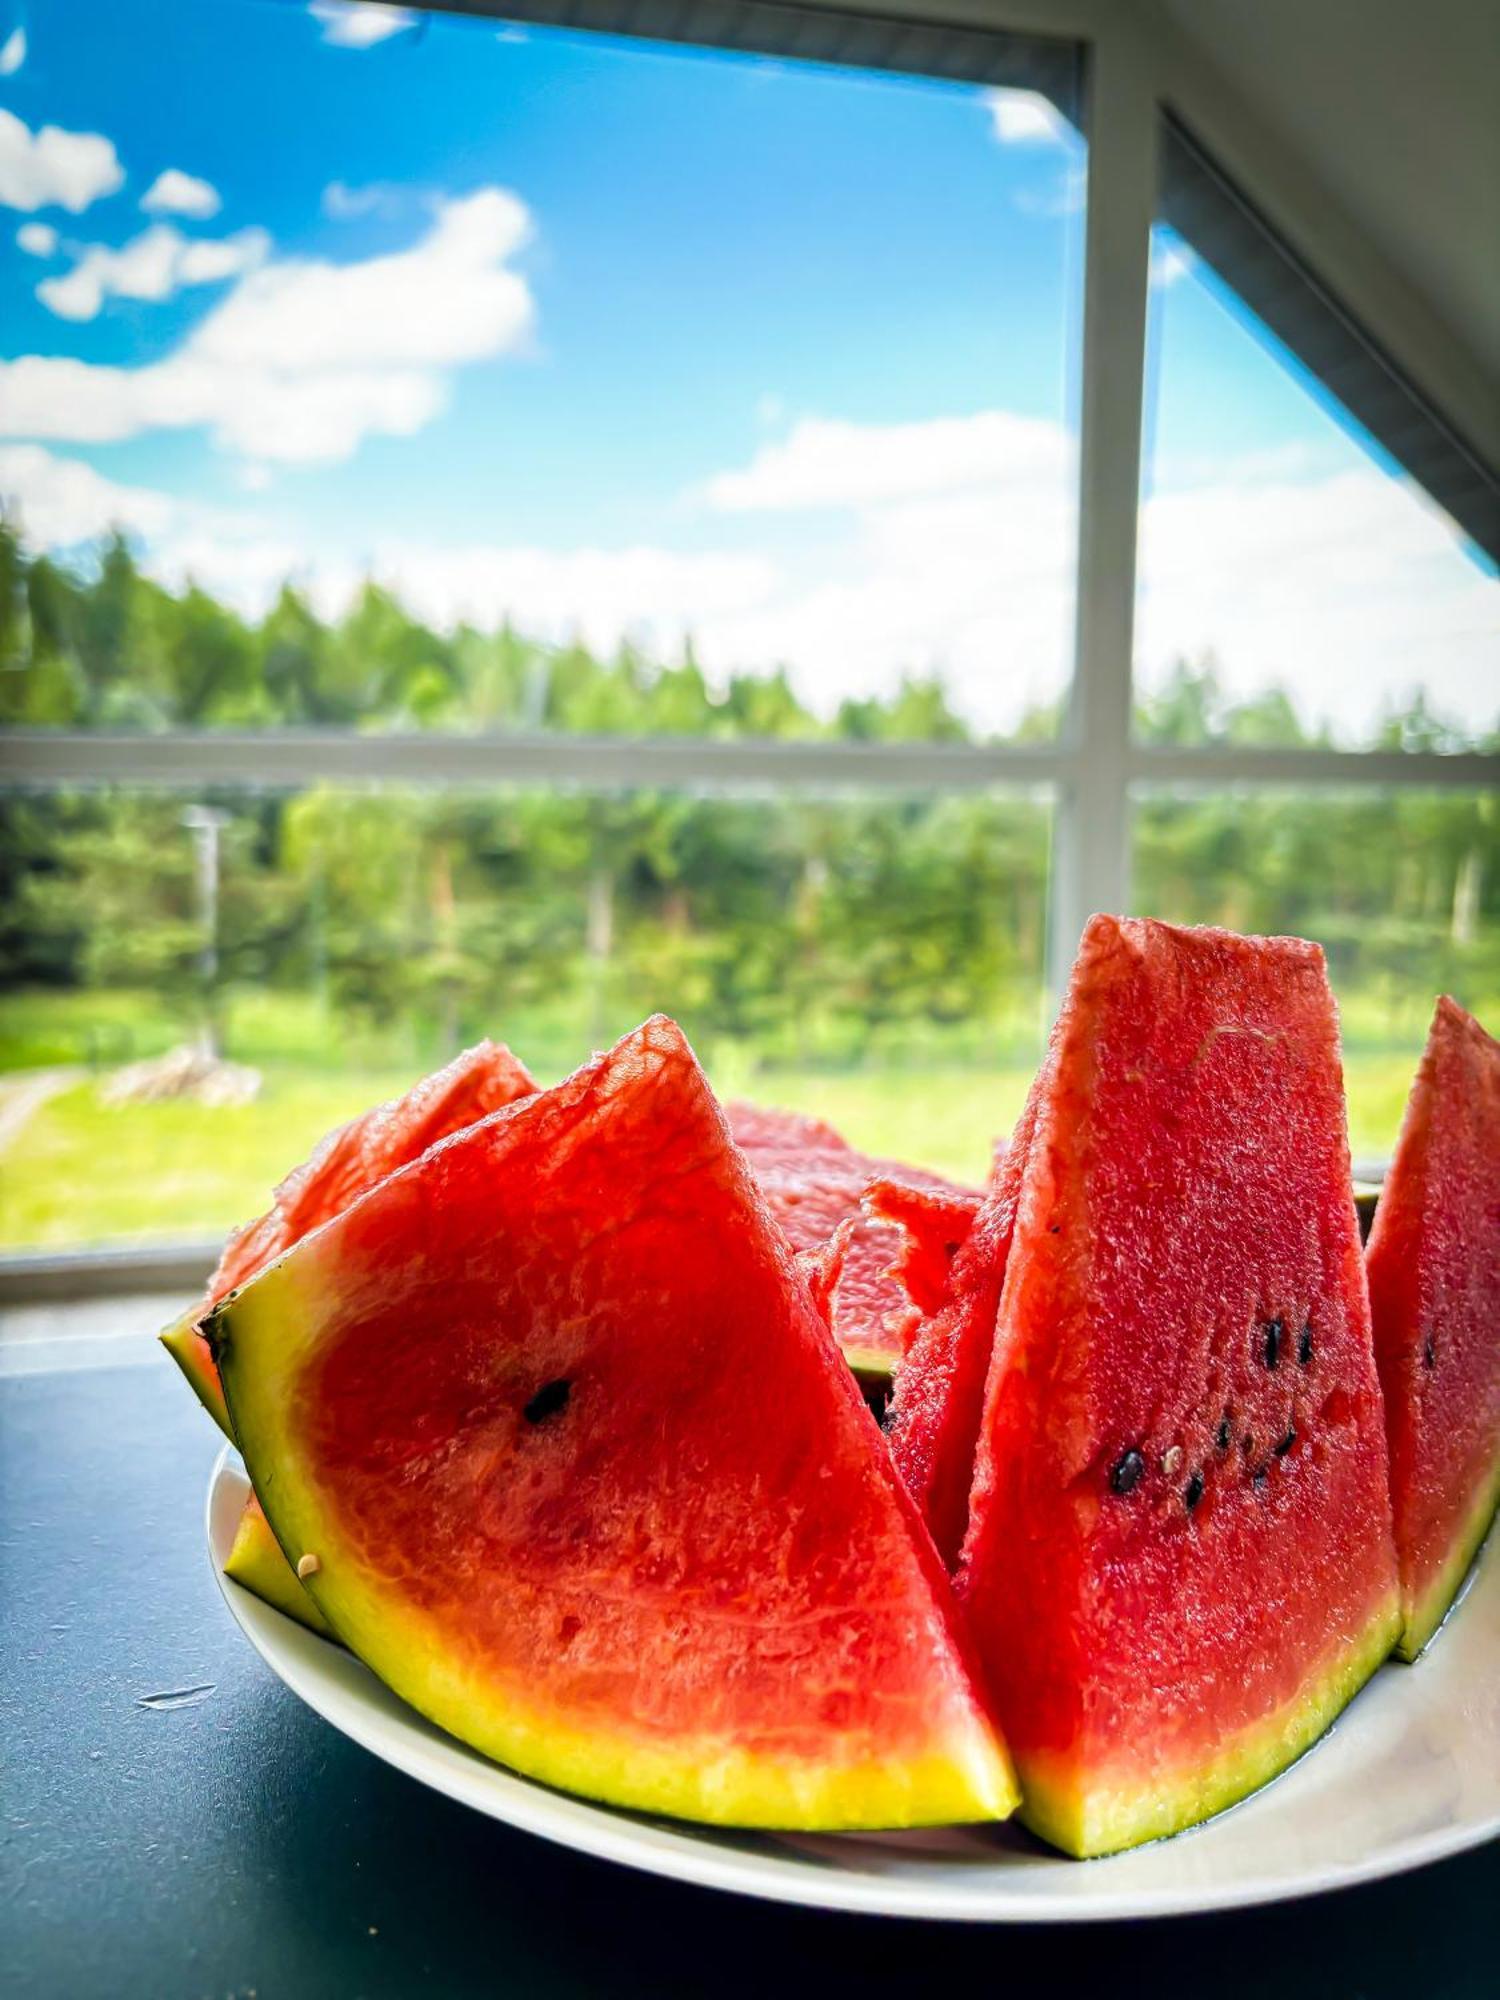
(765, 1128)
(937, 1397)
(814, 1182)
(507, 1402)
(255, 1561)
(344, 1165)
(1434, 1271)
(1179, 1564)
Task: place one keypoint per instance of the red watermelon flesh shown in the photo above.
(1179, 1564)
(343, 1166)
(765, 1128)
(1434, 1270)
(812, 1188)
(934, 1225)
(590, 1485)
(938, 1395)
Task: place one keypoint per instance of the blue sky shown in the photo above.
(620, 338)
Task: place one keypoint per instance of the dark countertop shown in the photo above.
(237, 1846)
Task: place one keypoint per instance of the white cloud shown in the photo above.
(308, 419)
(13, 52)
(1024, 118)
(152, 266)
(451, 298)
(53, 167)
(37, 239)
(304, 358)
(342, 203)
(61, 501)
(829, 464)
(348, 24)
(1347, 588)
(654, 595)
(175, 193)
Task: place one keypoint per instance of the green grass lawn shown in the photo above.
(83, 1172)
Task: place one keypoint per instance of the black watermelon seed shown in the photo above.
(1304, 1345)
(1284, 1445)
(1275, 1328)
(1224, 1433)
(1259, 1480)
(1193, 1492)
(1127, 1472)
(548, 1400)
(1429, 1353)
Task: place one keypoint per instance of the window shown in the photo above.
(731, 566)
(1297, 587)
(874, 960)
(1300, 592)
(734, 395)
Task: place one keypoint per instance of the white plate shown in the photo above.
(1410, 1772)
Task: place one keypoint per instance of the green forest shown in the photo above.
(846, 951)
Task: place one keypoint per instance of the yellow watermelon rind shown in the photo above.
(262, 1335)
(1426, 1609)
(185, 1345)
(255, 1561)
(1104, 1819)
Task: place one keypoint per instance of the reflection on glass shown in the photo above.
(655, 388)
(1401, 889)
(1294, 586)
(875, 961)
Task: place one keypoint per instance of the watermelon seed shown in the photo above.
(308, 1565)
(1304, 1345)
(1275, 1328)
(1249, 1444)
(1429, 1353)
(548, 1400)
(1224, 1433)
(1260, 1479)
(1193, 1492)
(1171, 1459)
(1127, 1472)
(1284, 1445)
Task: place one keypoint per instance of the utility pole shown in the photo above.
(203, 823)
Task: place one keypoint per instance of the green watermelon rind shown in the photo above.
(1427, 1609)
(256, 1562)
(1133, 1816)
(190, 1351)
(260, 1336)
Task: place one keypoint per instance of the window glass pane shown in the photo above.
(874, 960)
(1402, 890)
(1295, 586)
(655, 389)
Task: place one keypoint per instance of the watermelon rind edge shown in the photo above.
(1130, 1817)
(189, 1350)
(1427, 1611)
(256, 1562)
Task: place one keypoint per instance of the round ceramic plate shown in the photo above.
(1410, 1772)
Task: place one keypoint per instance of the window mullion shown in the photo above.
(1091, 858)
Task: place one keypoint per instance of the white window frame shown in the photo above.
(1137, 66)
